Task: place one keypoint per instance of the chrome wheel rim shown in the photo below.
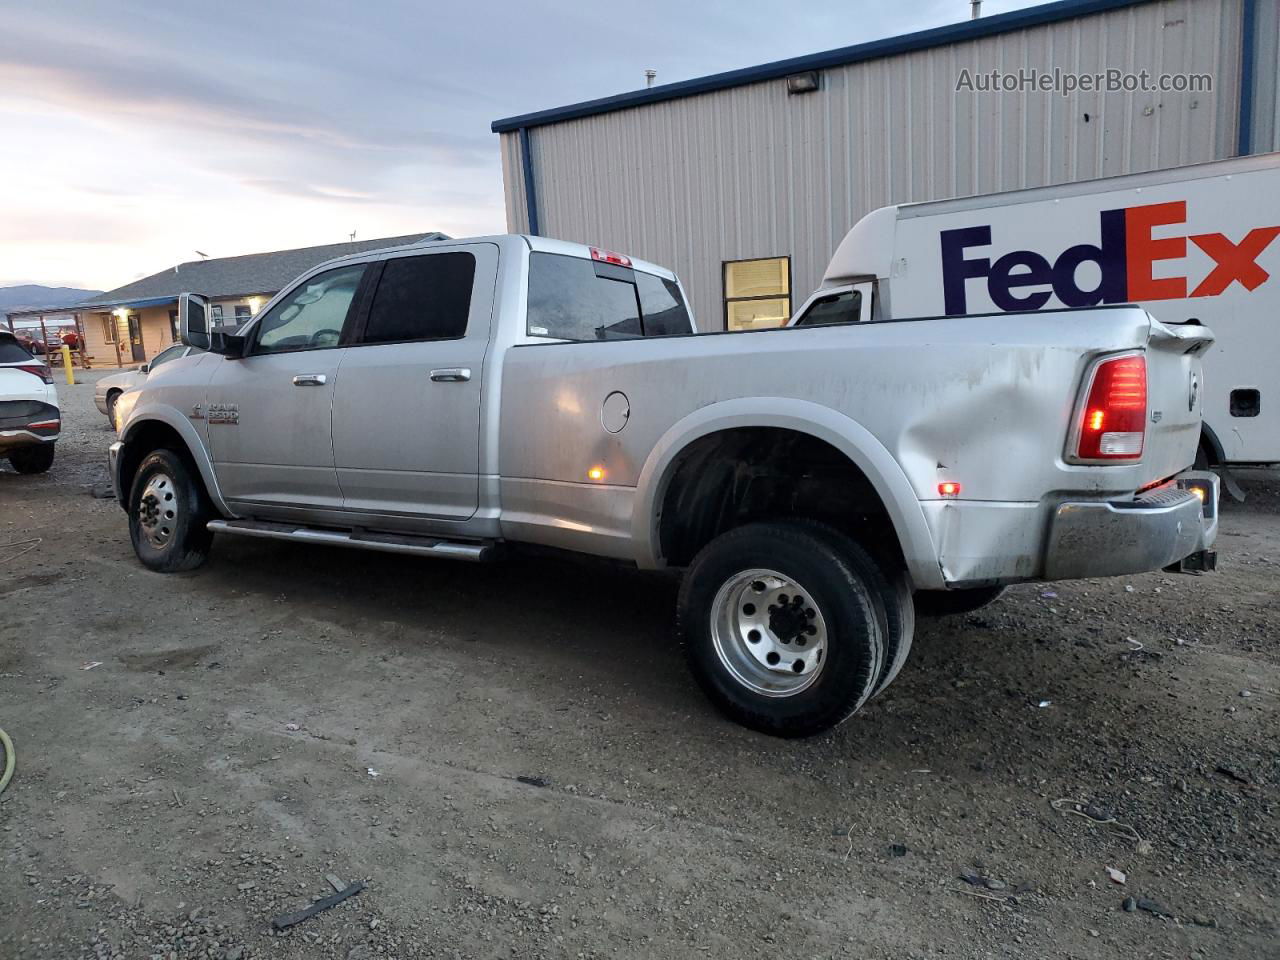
(158, 510)
(769, 633)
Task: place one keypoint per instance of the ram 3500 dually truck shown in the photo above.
(448, 397)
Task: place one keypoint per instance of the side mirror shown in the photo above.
(144, 368)
(193, 320)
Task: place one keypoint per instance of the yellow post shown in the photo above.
(66, 364)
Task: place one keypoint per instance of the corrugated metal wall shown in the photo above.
(753, 172)
(1266, 58)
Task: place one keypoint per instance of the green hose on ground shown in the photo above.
(8, 760)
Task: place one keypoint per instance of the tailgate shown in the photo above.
(1175, 397)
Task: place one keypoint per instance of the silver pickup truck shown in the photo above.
(815, 483)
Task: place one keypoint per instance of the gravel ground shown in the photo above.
(196, 752)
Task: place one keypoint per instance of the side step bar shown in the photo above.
(364, 539)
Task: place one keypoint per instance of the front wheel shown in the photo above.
(168, 513)
(32, 459)
(781, 627)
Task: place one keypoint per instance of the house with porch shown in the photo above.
(131, 324)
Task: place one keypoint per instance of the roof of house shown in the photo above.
(875, 49)
(254, 273)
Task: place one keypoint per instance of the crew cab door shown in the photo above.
(269, 412)
(406, 411)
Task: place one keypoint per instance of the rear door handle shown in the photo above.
(309, 380)
(451, 375)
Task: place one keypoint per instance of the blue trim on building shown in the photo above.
(1248, 41)
(530, 196)
(890, 46)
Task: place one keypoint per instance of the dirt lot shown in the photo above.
(289, 712)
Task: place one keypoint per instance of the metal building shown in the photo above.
(744, 182)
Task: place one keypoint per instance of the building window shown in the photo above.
(215, 312)
(757, 293)
(174, 332)
(108, 327)
(243, 313)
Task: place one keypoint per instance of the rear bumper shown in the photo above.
(1151, 531)
(27, 423)
(100, 401)
(984, 543)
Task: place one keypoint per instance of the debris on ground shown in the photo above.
(326, 903)
(1117, 876)
(534, 781)
(1231, 773)
(1134, 904)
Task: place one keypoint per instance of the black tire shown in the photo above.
(112, 397)
(842, 583)
(948, 603)
(897, 607)
(34, 459)
(178, 496)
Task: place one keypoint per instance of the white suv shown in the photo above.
(29, 417)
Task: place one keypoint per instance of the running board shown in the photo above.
(364, 539)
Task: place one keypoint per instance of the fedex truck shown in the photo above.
(1193, 245)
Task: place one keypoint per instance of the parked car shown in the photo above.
(30, 421)
(443, 399)
(108, 389)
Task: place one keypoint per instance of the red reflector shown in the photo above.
(46, 425)
(1114, 421)
(949, 488)
(605, 256)
(37, 370)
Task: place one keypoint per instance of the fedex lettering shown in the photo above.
(1126, 254)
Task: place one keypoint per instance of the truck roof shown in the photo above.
(868, 248)
(534, 243)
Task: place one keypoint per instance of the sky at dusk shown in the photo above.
(134, 134)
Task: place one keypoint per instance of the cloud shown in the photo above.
(135, 131)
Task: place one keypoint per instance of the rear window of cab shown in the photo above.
(572, 298)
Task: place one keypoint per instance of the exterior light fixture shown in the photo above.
(802, 82)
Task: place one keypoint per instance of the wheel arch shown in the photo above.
(846, 435)
(1212, 446)
(154, 427)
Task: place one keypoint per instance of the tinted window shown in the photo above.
(567, 300)
(312, 315)
(662, 306)
(422, 298)
(12, 352)
(838, 308)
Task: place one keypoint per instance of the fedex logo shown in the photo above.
(1126, 255)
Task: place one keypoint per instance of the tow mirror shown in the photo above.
(193, 320)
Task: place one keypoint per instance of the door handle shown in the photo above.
(451, 375)
(309, 380)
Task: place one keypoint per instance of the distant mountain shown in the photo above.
(31, 295)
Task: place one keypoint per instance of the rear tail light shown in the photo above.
(40, 370)
(1113, 420)
(606, 256)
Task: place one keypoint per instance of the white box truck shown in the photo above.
(1194, 244)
